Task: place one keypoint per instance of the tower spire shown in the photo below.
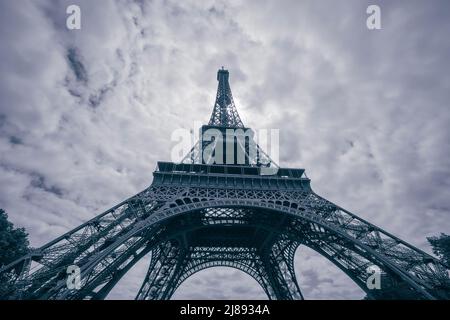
(224, 113)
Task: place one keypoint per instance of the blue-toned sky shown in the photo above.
(85, 115)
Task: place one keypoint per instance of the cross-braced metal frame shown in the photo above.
(196, 216)
(224, 111)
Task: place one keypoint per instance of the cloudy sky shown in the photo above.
(85, 114)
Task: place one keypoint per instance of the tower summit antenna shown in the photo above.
(224, 112)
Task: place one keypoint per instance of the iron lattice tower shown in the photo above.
(197, 215)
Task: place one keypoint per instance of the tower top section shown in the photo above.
(224, 113)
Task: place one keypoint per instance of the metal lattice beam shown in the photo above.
(196, 216)
(224, 112)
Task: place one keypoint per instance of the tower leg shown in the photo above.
(166, 266)
(279, 266)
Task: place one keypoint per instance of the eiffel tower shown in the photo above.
(198, 214)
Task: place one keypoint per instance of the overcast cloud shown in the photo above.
(85, 115)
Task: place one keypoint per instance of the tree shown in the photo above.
(441, 247)
(13, 244)
(13, 241)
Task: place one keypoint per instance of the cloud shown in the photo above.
(319, 279)
(220, 283)
(85, 115)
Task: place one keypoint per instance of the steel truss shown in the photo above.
(196, 216)
(224, 111)
(159, 220)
